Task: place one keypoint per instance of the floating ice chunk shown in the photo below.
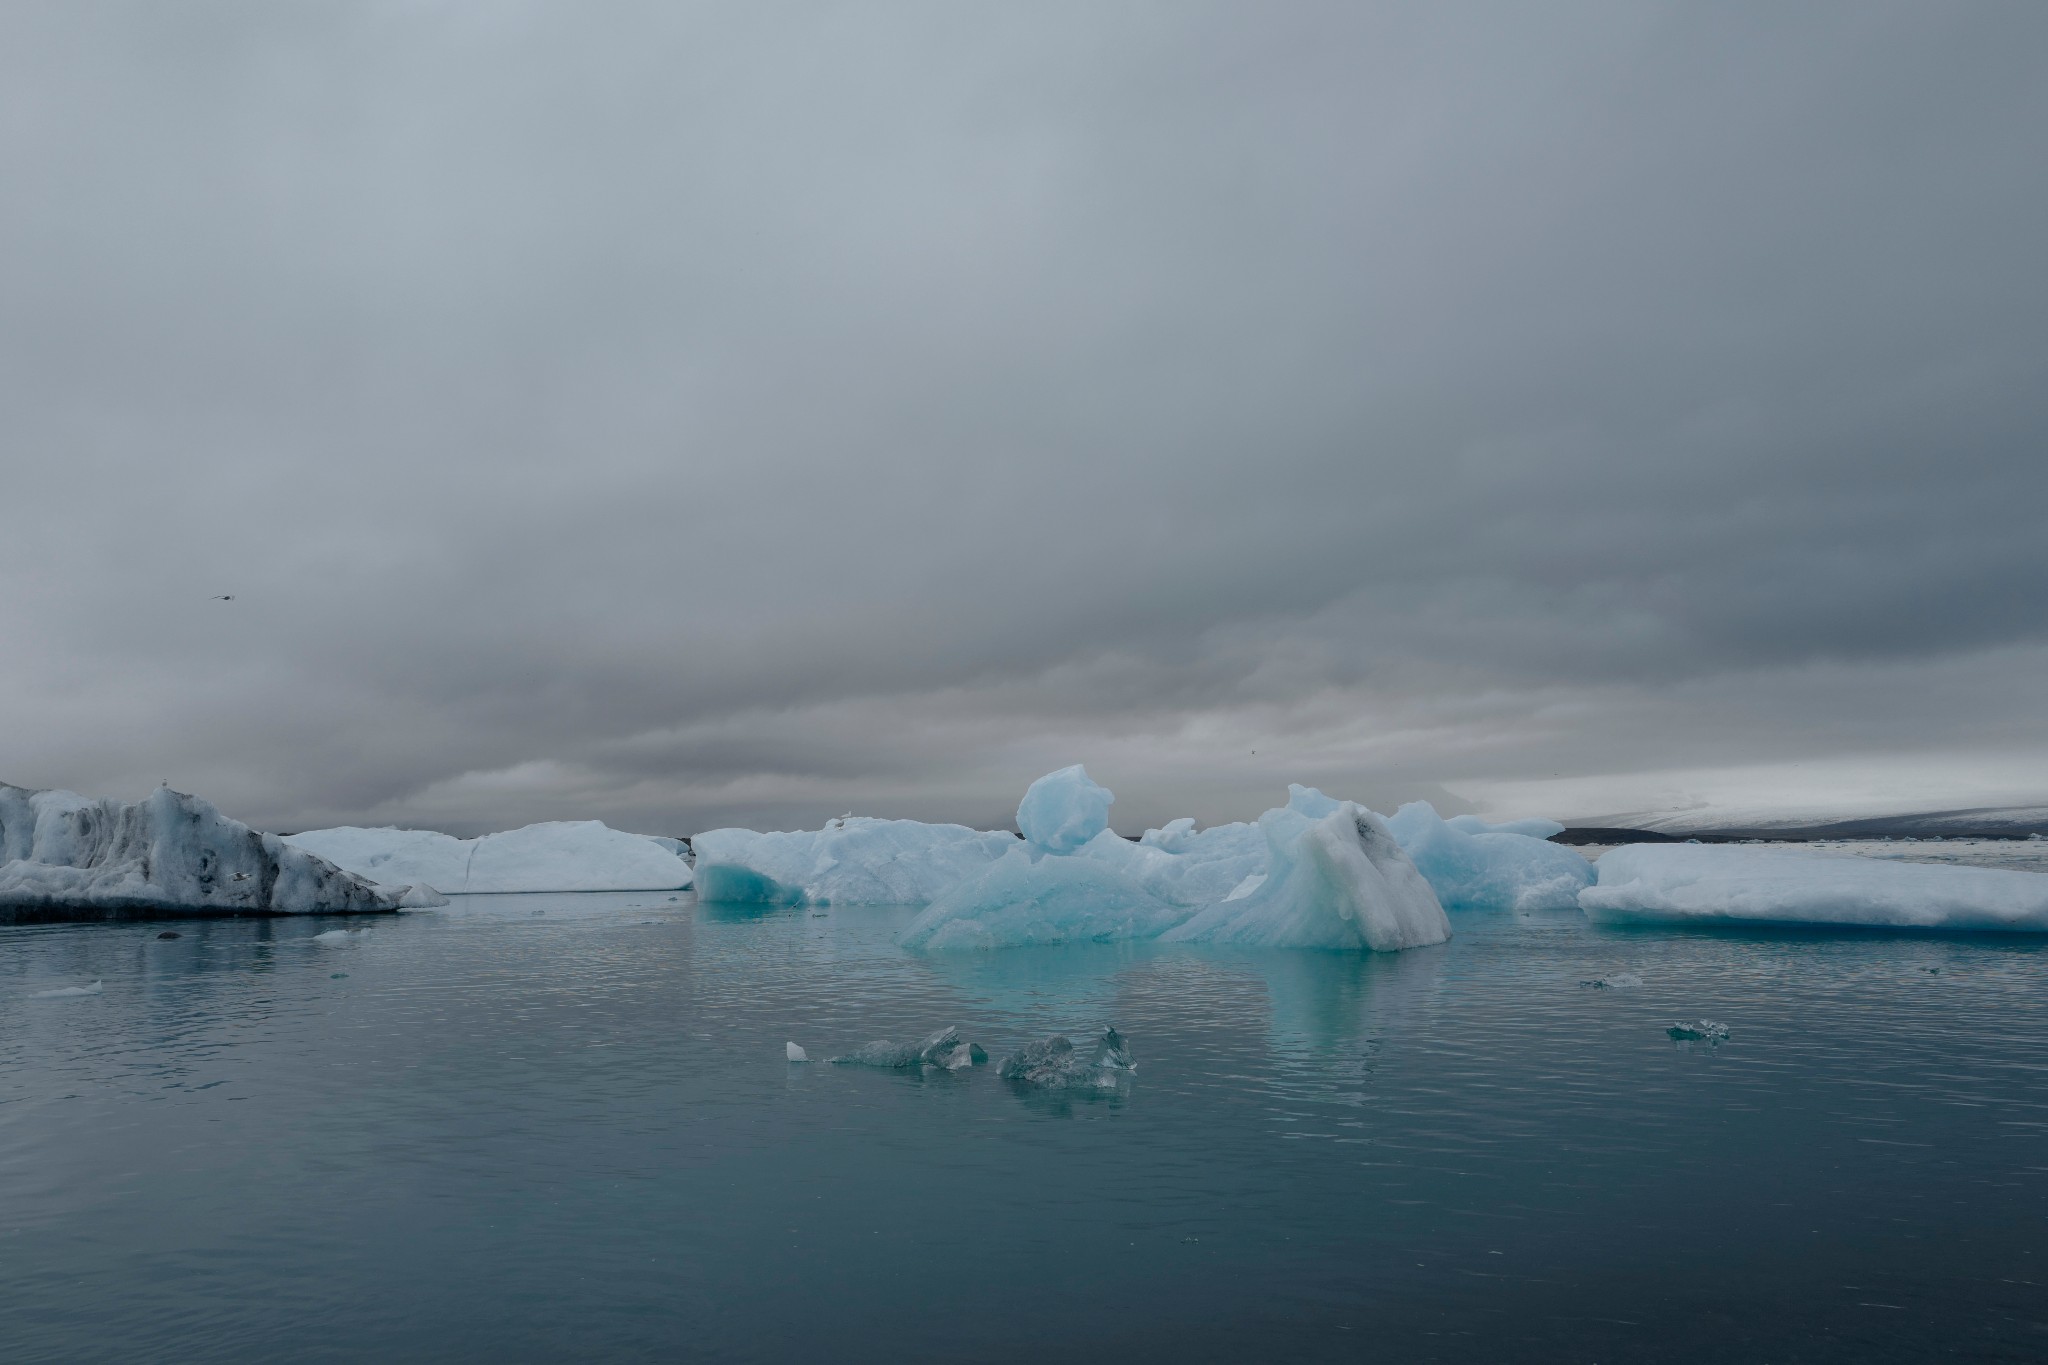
(169, 851)
(1719, 884)
(795, 1053)
(1064, 810)
(1534, 828)
(1699, 1031)
(67, 992)
(943, 1049)
(332, 937)
(851, 861)
(559, 855)
(1336, 880)
(1490, 868)
(420, 896)
(1056, 1064)
(1021, 899)
(1620, 981)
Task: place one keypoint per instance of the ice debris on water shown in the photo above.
(332, 937)
(1620, 981)
(1699, 1031)
(67, 992)
(943, 1049)
(1056, 1064)
(795, 1053)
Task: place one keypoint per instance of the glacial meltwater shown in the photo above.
(528, 1128)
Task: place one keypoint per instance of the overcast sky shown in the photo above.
(696, 414)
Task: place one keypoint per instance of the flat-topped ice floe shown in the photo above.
(851, 861)
(560, 855)
(67, 856)
(1712, 884)
(1472, 865)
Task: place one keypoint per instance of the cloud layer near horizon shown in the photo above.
(682, 415)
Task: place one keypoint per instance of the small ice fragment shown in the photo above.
(943, 1049)
(795, 1053)
(1701, 1031)
(170, 933)
(67, 992)
(420, 896)
(336, 976)
(1620, 981)
(1054, 1063)
(332, 937)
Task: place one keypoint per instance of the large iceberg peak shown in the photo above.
(1335, 881)
(1064, 810)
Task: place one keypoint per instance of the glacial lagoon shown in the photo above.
(548, 1127)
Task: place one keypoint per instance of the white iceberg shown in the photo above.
(851, 861)
(1719, 884)
(1335, 878)
(795, 1053)
(63, 854)
(1475, 866)
(1064, 810)
(559, 855)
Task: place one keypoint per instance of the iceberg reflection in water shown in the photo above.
(516, 1136)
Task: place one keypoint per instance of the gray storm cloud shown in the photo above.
(690, 414)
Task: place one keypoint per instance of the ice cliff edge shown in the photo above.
(63, 855)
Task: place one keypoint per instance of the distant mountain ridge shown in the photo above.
(1720, 826)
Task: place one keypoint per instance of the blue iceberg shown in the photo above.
(1476, 866)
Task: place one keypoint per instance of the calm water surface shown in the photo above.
(554, 1127)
